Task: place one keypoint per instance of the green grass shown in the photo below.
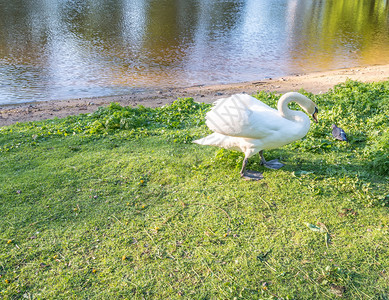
(121, 204)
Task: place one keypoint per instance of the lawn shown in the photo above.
(120, 204)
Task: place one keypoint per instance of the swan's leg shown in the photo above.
(249, 175)
(272, 164)
(243, 166)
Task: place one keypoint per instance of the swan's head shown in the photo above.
(311, 109)
(314, 115)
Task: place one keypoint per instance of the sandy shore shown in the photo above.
(319, 82)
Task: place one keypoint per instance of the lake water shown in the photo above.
(61, 49)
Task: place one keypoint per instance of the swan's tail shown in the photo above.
(214, 139)
(220, 140)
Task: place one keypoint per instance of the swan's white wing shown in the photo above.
(244, 116)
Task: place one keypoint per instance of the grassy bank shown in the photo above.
(121, 204)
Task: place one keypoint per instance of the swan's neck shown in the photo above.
(293, 115)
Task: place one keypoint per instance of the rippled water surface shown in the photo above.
(61, 49)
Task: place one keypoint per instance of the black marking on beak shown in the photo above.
(314, 115)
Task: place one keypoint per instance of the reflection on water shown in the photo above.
(58, 49)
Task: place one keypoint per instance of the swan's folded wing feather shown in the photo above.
(244, 116)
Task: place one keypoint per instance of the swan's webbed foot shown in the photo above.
(251, 175)
(274, 164)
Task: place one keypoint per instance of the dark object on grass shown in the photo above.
(338, 133)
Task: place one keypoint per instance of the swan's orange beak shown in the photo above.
(314, 115)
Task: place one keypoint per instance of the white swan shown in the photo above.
(245, 124)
